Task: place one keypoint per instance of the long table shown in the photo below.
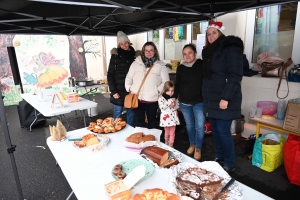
(44, 107)
(88, 171)
(276, 125)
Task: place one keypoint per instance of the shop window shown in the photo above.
(274, 30)
(153, 36)
(175, 39)
(198, 31)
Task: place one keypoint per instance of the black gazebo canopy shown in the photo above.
(106, 17)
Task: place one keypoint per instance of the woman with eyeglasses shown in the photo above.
(152, 87)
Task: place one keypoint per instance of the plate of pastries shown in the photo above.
(123, 168)
(107, 125)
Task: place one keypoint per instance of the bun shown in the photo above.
(155, 193)
(268, 117)
(156, 154)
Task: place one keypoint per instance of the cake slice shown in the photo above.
(90, 139)
(87, 140)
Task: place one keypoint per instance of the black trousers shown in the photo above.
(150, 110)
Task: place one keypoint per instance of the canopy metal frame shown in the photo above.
(106, 17)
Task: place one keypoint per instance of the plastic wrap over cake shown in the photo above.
(234, 192)
(173, 155)
(145, 131)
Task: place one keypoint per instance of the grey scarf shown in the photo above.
(149, 61)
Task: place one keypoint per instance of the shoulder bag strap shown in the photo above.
(144, 80)
(284, 70)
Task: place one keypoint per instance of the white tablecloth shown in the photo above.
(88, 171)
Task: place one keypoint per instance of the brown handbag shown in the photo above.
(284, 72)
(132, 100)
(270, 69)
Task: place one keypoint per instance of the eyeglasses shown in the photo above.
(150, 51)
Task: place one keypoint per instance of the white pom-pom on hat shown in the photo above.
(122, 37)
(217, 25)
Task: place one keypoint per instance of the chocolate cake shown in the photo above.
(199, 184)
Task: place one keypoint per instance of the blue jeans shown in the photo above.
(224, 144)
(130, 114)
(194, 118)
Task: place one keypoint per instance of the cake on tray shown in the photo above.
(199, 184)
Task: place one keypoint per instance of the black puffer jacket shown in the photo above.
(189, 83)
(225, 82)
(119, 64)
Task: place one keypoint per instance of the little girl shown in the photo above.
(169, 116)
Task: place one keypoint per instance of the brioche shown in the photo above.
(155, 193)
(108, 125)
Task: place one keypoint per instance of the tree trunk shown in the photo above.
(5, 41)
(5, 68)
(77, 59)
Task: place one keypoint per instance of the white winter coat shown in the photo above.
(154, 82)
(168, 116)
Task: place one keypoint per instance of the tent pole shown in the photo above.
(10, 148)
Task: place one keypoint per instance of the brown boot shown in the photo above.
(191, 150)
(197, 154)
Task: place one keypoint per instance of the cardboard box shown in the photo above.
(292, 117)
(120, 189)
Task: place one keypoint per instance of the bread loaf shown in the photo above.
(156, 154)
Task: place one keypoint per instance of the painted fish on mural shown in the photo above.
(31, 79)
(50, 70)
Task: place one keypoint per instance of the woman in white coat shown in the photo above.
(152, 86)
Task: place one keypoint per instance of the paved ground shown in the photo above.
(42, 179)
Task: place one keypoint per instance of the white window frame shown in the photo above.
(249, 36)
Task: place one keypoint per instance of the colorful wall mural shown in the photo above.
(46, 61)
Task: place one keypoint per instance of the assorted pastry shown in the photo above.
(155, 193)
(140, 137)
(107, 125)
(117, 171)
(159, 156)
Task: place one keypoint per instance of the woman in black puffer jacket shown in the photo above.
(120, 61)
(222, 96)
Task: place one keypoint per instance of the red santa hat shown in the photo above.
(217, 25)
